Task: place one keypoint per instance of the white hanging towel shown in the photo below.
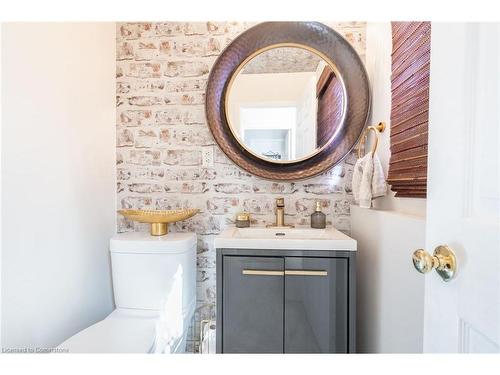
(368, 180)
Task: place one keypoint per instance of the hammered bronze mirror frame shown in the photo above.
(325, 42)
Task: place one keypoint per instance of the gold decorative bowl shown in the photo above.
(159, 219)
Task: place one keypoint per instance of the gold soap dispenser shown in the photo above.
(318, 218)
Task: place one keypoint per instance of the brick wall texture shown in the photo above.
(161, 74)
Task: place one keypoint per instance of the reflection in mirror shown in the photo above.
(285, 104)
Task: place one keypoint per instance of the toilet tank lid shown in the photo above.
(144, 243)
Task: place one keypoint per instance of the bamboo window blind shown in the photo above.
(330, 103)
(409, 108)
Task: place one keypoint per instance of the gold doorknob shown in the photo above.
(443, 260)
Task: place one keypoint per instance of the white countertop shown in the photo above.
(284, 239)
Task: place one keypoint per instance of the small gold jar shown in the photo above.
(243, 220)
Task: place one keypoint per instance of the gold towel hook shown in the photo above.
(376, 130)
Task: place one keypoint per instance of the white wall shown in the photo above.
(390, 292)
(1, 208)
(390, 300)
(307, 111)
(277, 89)
(58, 179)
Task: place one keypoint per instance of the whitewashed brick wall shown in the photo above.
(161, 75)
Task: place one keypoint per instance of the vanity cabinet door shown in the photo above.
(252, 316)
(316, 305)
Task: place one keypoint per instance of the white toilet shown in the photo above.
(154, 284)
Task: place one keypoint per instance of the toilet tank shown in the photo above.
(145, 269)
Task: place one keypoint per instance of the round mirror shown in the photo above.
(285, 104)
(287, 100)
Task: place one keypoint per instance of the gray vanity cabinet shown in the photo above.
(295, 301)
(254, 313)
(316, 305)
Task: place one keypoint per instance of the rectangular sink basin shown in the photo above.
(285, 239)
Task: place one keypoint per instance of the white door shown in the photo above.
(463, 205)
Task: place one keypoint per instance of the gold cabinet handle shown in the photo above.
(286, 272)
(262, 273)
(443, 261)
(305, 273)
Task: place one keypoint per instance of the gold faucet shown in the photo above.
(280, 215)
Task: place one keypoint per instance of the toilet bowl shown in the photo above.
(154, 285)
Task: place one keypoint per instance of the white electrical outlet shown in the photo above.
(207, 156)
